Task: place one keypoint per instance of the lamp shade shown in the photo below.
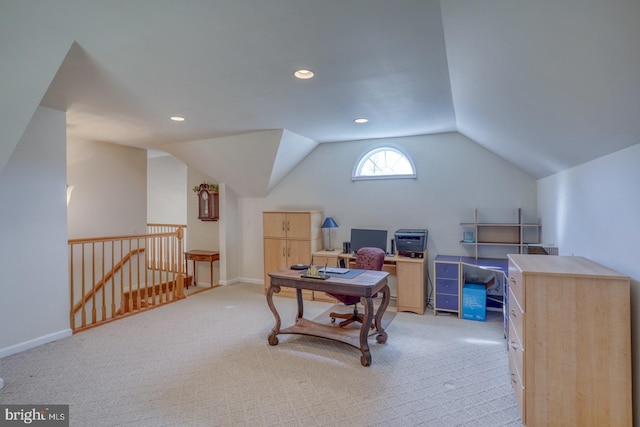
(329, 222)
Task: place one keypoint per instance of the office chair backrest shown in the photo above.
(366, 259)
(370, 259)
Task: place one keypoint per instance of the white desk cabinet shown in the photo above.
(569, 341)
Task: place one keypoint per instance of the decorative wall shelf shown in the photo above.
(518, 234)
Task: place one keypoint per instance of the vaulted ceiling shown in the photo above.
(546, 84)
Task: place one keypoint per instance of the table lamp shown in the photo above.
(329, 223)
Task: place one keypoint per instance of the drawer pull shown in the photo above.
(512, 280)
(513, 313)
(513, 378)
(513, 345)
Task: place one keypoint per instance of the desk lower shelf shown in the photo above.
(312, 328)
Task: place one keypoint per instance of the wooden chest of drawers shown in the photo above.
(569, 341)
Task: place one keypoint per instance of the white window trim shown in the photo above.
(367, 154)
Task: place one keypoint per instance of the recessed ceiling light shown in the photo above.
(303, 74)
(361, 120)
(177, 119)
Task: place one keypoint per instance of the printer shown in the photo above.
(411, 243)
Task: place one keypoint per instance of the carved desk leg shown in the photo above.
(381, 338)
(300, 303)
(365, 358)
(273, 335)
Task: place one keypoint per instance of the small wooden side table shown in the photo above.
(200, 255)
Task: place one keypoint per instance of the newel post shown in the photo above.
(180, 280)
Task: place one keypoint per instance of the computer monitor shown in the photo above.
(361, 238)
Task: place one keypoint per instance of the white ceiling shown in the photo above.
(546, 84)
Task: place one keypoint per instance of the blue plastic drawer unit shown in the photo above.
(447, 294)
(446, 302)
(446, 270)
(446, 286)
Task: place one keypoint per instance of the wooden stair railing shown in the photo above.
(114, 276)
(136, 299)
(98, 286)
(152, 254)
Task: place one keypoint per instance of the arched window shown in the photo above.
(384, 163)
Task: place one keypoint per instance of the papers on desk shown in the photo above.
(334, 270)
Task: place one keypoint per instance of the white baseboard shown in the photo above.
(36, 342)
(243, 280)
(202, 284)
(252, 281)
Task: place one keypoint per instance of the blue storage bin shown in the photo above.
(474, 302)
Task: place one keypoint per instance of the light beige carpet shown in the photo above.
(325, 319)
(205, 361)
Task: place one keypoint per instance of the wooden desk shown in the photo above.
(449, 271)
(200, 255)
(411, 279)
(365, 285)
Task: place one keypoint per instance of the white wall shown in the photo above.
(171, 200)
(204, 235)
(231, 252)
(29, 64)
(34, 307)
(167, 190)
(110, 189)
(593, 210)
(455, 175)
